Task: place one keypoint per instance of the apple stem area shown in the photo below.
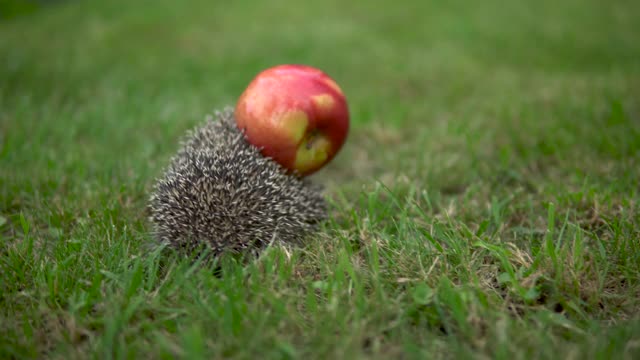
(311, 139)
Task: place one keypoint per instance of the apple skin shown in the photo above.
(295, 114)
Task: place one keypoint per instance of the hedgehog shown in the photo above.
(219, 192)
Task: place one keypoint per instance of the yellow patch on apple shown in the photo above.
(323, 102)
(295, 123)
(313, 151)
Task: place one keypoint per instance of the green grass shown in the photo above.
(486, 203)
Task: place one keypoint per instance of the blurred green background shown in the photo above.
(130, 76)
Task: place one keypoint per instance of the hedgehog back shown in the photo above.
(220, 192)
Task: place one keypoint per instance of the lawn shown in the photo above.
(485, 205)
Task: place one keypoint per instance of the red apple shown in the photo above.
(296, 114)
